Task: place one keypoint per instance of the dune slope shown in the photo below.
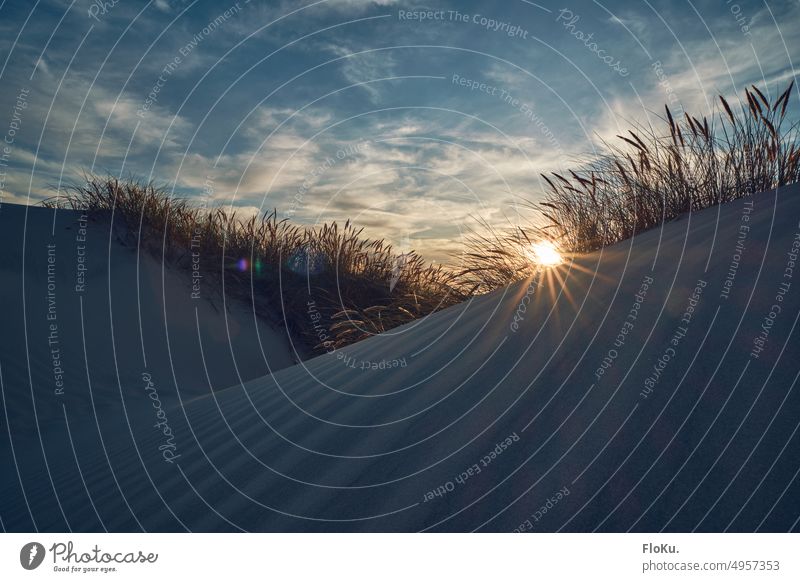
(85, 317)
(647, 387)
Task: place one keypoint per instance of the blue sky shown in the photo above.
(410, 119)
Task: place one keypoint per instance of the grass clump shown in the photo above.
(495, 257)
(330, 285)
(652, 177)
(648, 178)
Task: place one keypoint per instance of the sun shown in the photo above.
(546, 254)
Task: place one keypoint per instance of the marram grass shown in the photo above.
(332, 286)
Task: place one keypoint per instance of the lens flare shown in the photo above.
(545, 254)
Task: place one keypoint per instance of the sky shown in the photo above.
(413, 120)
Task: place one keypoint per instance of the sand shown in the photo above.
(650, 386)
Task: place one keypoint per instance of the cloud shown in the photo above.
(634, 23)
(419, 169)
(41, 65)
(361, 68)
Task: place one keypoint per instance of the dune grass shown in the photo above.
(650, 177)
(330, 285)
(646, 179)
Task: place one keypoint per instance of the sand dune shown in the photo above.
(78, 299)
(653, 388)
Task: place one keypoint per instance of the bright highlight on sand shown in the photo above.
(546, 254)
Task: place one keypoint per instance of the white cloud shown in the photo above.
(364, 67)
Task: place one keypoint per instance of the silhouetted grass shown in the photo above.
(494, 257)
(333, 287)
(651, 177)
(648, 178)
(359, 287)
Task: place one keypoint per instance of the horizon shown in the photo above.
(408, 121)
